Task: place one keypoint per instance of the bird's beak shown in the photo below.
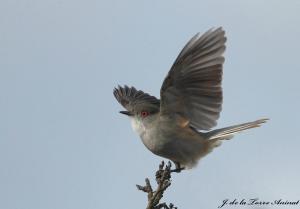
(126, 113)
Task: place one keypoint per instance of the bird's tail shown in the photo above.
(228, 132)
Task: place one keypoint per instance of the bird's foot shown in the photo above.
(178, 168)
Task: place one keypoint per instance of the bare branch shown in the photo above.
(163, 180)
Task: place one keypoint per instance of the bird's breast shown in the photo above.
(151, 134)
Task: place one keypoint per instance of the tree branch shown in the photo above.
(163, 180)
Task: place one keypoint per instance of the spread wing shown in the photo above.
(192, 88)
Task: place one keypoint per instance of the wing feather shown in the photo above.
(192, 87)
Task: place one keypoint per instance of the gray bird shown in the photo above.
(177, 126)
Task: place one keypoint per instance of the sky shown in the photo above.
(63, 144)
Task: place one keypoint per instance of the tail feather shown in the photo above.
(228, 132)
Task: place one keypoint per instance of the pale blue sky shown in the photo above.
(63, 144)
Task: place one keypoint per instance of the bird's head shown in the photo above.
(138, 104)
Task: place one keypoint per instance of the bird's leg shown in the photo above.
(178, 168)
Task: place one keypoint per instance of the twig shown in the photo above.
(163, 180)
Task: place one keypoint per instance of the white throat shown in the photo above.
(138, 126)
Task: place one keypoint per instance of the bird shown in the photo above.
(178, 125)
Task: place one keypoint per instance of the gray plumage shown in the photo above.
(130, 98)
(191, 101)
(193, 85)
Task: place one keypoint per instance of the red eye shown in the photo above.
(144, 113)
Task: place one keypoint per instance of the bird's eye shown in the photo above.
(144, 114)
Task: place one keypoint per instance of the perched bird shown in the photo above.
(177, 126)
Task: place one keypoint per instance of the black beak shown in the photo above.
(126, 113)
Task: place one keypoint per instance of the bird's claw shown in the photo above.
(178, 168)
